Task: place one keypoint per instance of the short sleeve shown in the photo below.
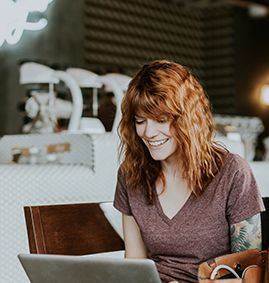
(244, 199)
(121, 199)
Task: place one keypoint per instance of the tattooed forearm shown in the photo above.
(246, 234)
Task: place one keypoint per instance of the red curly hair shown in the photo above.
(167, 89)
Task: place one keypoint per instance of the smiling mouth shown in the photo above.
(157, 143)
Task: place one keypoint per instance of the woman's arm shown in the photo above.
(246, 234)
(134, 246)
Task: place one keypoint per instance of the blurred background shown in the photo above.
(224, 43)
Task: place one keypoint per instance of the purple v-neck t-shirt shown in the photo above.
(199, 231)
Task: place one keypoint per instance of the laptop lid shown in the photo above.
(87, 269)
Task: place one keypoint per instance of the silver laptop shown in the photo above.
(87, 269)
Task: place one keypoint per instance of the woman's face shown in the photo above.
(157, 137)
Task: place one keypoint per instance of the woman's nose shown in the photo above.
(150, 129)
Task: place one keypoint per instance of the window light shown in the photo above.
(265, 94)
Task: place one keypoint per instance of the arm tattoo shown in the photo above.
(246, 234)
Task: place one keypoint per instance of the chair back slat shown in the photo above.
(70, 229)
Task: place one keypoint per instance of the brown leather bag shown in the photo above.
(243, 267)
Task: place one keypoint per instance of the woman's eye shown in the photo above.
(139, 122)
(160, 121)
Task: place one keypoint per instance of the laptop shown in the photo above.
(87, 269)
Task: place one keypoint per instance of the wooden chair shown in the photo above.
(70, 229)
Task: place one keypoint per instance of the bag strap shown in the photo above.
(223, 266)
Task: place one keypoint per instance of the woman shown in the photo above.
(184, 198)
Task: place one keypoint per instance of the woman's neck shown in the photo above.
(170, 169)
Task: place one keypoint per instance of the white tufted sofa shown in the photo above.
(85, 174)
